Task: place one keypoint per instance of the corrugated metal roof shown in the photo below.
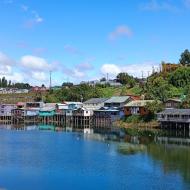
(49, 109)
(171, 111)
(95, 101)
(107, 109)
(174, 100)
(138, 103)
(117, 99)
(77, 103)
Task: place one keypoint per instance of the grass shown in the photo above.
(111, 91)
(14, 98)
(120, 91)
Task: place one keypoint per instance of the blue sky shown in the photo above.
(85, 39)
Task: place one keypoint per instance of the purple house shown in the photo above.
(5, 109)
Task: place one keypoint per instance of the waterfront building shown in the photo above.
(173, 103)
(61, 107)
(17, 115)
(66, 108)
(5, 109)
(5, 112)
(48, 110)
(33, 108)
(135, 97)
(94, 103)
(47, 113)
(174, 118)
(74, 105)
(20, 105)
(32, 111)
(137, 107)
(117, 101)
(82, 118)
(105, 116)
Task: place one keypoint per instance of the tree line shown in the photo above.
(4, 83)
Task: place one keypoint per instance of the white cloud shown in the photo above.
(5, 60)
(35, 63)
(86, 65)
(74, 73)
(5, 69)
(78, 74)
(37, 19)
(110, 69)
(161, 5)
(132, 69)
(120, 31)
(39, 76)
(14, 77)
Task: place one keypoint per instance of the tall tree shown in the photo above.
(185, 58)
(158, 88)
(126, 79)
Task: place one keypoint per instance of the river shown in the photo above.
(48, 160)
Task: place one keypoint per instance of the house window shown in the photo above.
(86, 111)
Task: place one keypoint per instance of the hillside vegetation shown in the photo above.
(159, 86)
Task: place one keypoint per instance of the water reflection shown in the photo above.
(174, 158)
(31, 150)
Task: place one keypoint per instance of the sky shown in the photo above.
(83, 40)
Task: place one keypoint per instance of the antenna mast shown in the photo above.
(50, 84)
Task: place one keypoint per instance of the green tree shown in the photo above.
(180, 77)
(103, 79)
(126, 79)
(154, 107)
(185, 58)
(157, 88)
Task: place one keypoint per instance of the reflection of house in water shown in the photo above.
(172, 157)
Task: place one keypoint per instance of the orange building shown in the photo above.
(136, 107)
(169, 67)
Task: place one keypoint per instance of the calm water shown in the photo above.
(49, 160)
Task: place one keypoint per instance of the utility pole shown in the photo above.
(142, 74)
(153, 71)
(50, 85)
(148, 73)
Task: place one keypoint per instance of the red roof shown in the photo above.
(135, 97)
